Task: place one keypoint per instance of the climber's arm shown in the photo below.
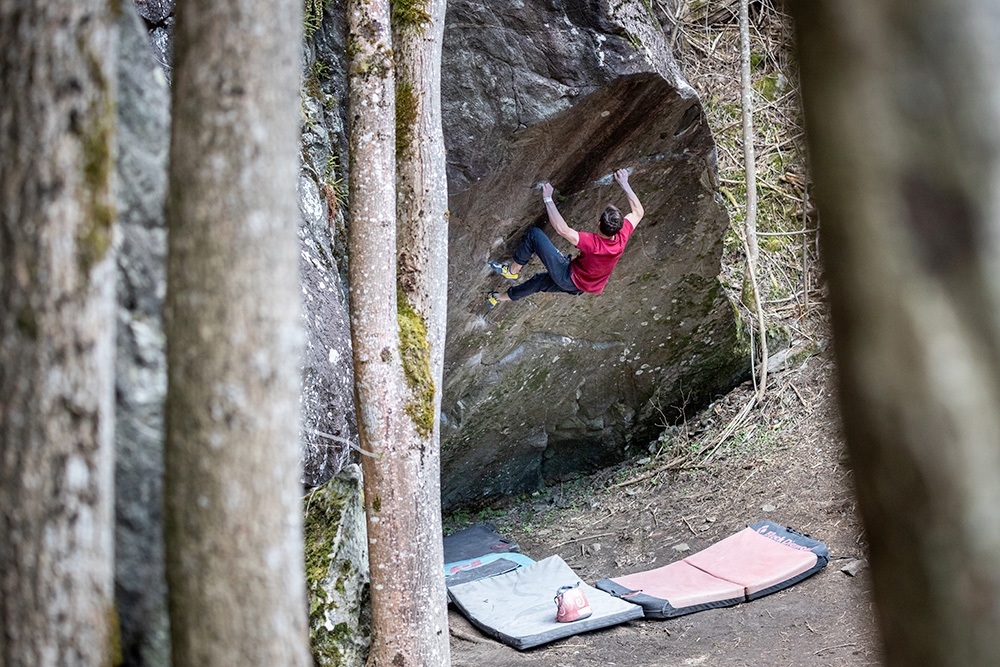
(556, 219)
(621, 176)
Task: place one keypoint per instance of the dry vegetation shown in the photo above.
(706, 41)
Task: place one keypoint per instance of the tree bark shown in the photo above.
(233, 522)
(750, 167)
(394, 391)
(422, 256)
(57, 290)
(903, 111)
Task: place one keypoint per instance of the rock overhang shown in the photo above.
(557, 384)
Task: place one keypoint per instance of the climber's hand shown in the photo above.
(547, 190)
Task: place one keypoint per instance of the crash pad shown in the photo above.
(757, 561)
(476, 540)
(518, 608)
(489, 565)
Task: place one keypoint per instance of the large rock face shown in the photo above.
(554, 384)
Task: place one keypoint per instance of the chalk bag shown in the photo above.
(571, 604)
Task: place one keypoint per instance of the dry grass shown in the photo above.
(706, 41)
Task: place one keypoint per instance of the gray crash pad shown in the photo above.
(518, 608)
(476, 540)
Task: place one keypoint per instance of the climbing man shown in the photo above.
(590, 270)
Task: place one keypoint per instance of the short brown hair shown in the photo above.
(611, 221)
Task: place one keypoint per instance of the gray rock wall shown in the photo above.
(141, 381)
(328, 418)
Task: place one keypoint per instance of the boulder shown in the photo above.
(555, 384)
(337, 578)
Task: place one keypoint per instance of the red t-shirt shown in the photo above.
(591, 269)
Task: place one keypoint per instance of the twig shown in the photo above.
(747, 479)
(310, 499)
(792, 233)
(731, 427)
(674, 464)
(465, 636)
(830, 648)
(337, 438)
(801, 400)
(688, 524)
(581, 539)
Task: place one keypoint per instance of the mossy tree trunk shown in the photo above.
(903, 110)
(57, 291)
(422, 252)
(233, 521)
(392, 366)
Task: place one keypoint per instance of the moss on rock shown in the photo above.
(336, 562)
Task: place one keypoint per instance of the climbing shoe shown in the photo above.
(504, 270)
(492, 299)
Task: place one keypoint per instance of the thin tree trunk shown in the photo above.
(903, 112)
(233, 503)
(384, 428)
(57, 290)
(392, 361)
(750, 164)
(805, 245)
(422, 251)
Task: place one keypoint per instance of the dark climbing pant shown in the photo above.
(556, 278)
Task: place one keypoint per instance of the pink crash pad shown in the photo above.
(756, 561)
(683, 584)
(752, 561)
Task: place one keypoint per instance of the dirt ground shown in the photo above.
(785, 464)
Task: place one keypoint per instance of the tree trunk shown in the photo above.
(422, 252)
(392, 367)
(903, 111)
(57, 290)
(750, 166)
(233, 522)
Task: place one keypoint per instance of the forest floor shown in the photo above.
(786, 464)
